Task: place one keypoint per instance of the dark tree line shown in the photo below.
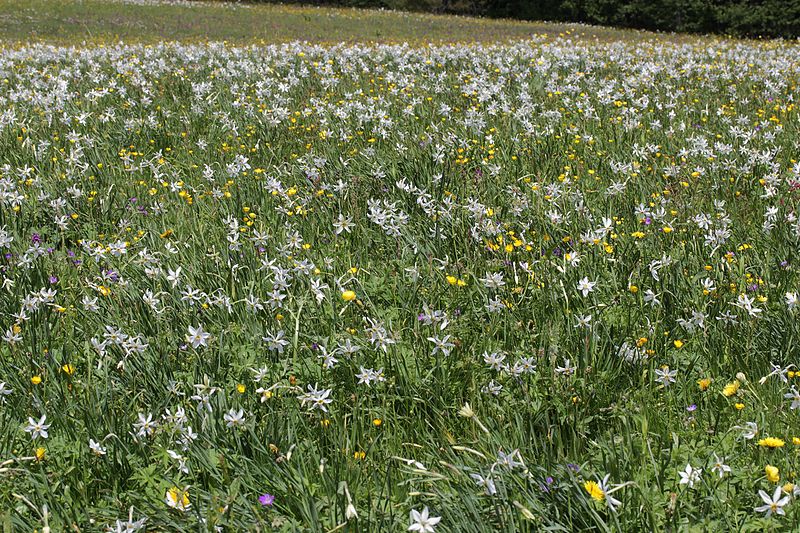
(746, 18)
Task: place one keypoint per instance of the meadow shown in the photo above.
(540, 280)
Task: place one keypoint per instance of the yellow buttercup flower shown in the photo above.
(348, 296)
(772, 473)
(178, 499)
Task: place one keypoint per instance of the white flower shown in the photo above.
(690, 476)
(720, 467)
(792, 301)
(493, 280)
(666, 376)
(486, 482)
(318, 398)
(749, 431)
(4, 391)
(584, 321)
(96, 448)
(37, 429)
(585, 286)
(794, 396)
(774, 504)
(422, 521)
(197, 337)
(234, 418)
(607, 489)
(145, 426)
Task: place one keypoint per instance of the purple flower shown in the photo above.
(36, 238)
(53, 280)
(266, 499)
(691, 408)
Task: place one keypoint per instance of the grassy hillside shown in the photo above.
(73, 22)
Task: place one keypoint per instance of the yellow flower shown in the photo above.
(771, 442)
(240, 388)
(178, 499)
(377, 422)
(703, 383)
(40, 454)
(594, 490)
(788, 488)
(731, 388)
(68, 369)
(796, 441)
(634, 289)
(348, 296)
(739, 406)
(36, 380)
(678, 343)
(773, 474)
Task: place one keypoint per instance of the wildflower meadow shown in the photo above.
(541, 284)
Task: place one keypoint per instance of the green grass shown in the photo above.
(71, 22)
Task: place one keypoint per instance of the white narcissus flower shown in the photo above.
(774, 504)
(585, 286)
(690, 476)
(234, 418)
(720, 467)
(422, 521)
(37, 429)
(197, 337)
(794, 396)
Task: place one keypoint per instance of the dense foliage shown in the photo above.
(761, 18)
(538, 285)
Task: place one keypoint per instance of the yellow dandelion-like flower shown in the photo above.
(594, 490)
(731, 388)
(771, 442)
